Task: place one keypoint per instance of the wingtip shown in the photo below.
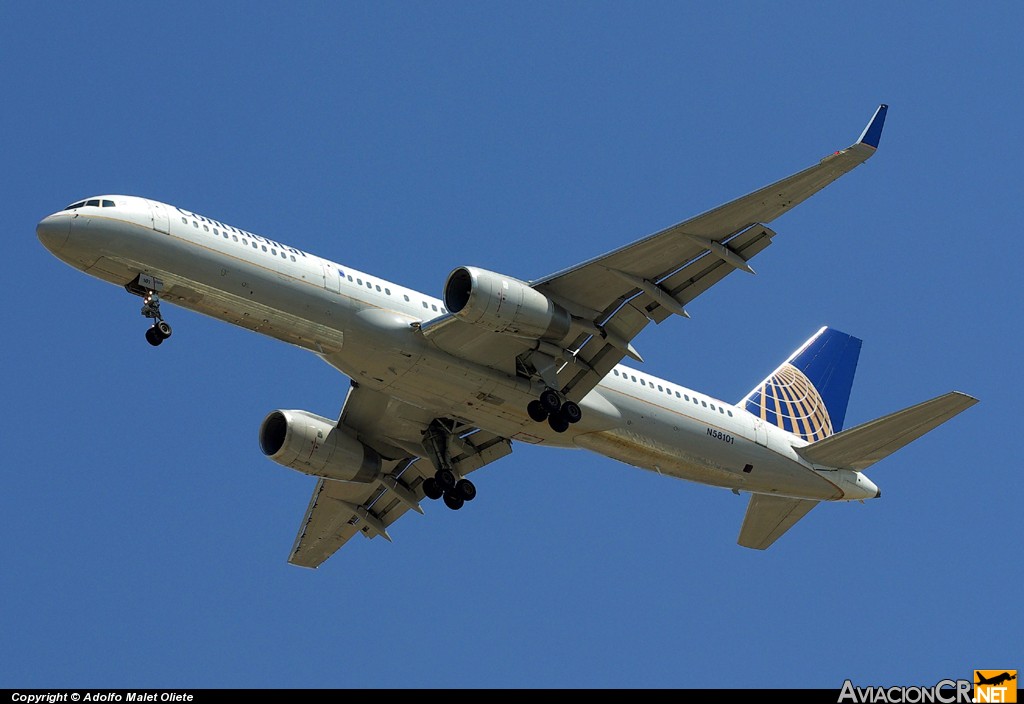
(872, 134)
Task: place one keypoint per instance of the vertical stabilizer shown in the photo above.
(808, 394)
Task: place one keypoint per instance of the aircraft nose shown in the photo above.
(53, 231)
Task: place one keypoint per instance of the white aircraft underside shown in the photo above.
(438, 393)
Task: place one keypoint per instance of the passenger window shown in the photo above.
(215, 233)
(359, 281)
(273, 251)
(643, 383)
(184, 220)
(659, 388)
(615, 372)
(350, 277)
(730, 413)
(283, 255)
(245, 242)
(434, 307)
(93, 202)
(293, 257)
(721, 410)
(369, 285)
(387, 291)
(405, 296)
(633, 378)
(378, 288)
(195, 224)
(712, 406)
(704, 403)
(234, 237)
(424, 304)
(108, 204)
(264, 247)
(677, 395)
(255, 246)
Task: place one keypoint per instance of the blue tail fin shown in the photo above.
(808, 394)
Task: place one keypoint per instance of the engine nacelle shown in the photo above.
(503, 304)
(313, 445)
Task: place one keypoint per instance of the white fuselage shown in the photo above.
(368, 329)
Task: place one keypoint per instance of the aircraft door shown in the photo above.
(161, 222)
(760, 432)
(332, 278)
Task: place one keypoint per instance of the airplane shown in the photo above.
(997, 679)
(442, 387)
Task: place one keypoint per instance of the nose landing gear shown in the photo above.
(160, 330)
(148, 288)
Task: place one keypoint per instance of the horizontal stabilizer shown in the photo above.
(768, 517)
(860, 447)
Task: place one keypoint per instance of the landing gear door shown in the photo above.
(161, 222)
(332, 278)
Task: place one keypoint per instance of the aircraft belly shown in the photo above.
(226, 287)
(685, 450)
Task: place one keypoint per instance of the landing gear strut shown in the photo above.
(445, 483)
(549, 407)
(160, 330)
(148, 288)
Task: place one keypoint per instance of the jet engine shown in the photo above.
(503, 304)
(314, 445)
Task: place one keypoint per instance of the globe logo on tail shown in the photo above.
(789, 400)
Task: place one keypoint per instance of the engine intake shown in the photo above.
(503, 304)
(311, 444)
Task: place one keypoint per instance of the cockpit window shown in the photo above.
(96, 202)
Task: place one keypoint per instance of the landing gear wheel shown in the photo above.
(571, 412)
(431, 489)
(452, 501)
(465, 490)
(558, 423)
(550, 401)
(445, 479)
(162, 329)
(536, 411)
(153, 337)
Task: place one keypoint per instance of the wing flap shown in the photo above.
(769, 517)
(860, 447)
(339, 510)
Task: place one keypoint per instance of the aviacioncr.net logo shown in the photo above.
(944, 692)
(995, 686)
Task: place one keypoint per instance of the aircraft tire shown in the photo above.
(452, 501)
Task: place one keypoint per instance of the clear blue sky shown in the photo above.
(145, 536)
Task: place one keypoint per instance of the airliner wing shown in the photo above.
(338, 510)
(619, 293)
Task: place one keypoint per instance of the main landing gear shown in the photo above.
(550, 407)
(445, 483)
(160, 330)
